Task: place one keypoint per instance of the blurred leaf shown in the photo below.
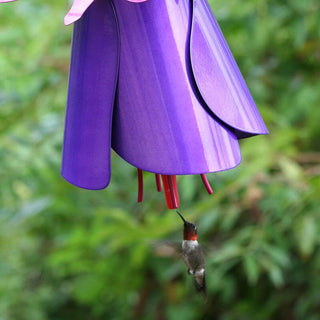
(251, 268)
(277, 254)
(307, 235)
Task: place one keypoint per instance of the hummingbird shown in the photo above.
(189, 250)
(192, 254)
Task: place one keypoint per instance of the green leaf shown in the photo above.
(307, 235)
(251, 268)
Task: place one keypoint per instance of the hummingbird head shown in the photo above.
(190, 230)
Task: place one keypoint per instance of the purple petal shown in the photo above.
(92, 85)
(160, 124)
(218, 77)
(77, 10)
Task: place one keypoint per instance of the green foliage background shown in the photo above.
(71, 254)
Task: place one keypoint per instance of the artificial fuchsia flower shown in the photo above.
(156, 81)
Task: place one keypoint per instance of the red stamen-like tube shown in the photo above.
(174, 190)
(158, 182)
(206, 183)
(171, 191)
(140, 185)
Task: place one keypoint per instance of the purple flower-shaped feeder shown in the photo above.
(156, 81)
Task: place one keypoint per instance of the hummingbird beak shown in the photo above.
(183, 219)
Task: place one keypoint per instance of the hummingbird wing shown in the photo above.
(173, 249)
(167, 249)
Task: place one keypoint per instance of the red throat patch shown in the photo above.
(189, 234)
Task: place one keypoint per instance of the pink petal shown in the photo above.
(6, 1)
(76, 11)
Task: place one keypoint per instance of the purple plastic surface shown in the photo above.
(218, 77)
(181, 103)
(92, 85)
(159, 123)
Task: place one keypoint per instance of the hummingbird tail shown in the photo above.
(200, 284)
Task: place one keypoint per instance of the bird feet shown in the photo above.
(191, 272)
